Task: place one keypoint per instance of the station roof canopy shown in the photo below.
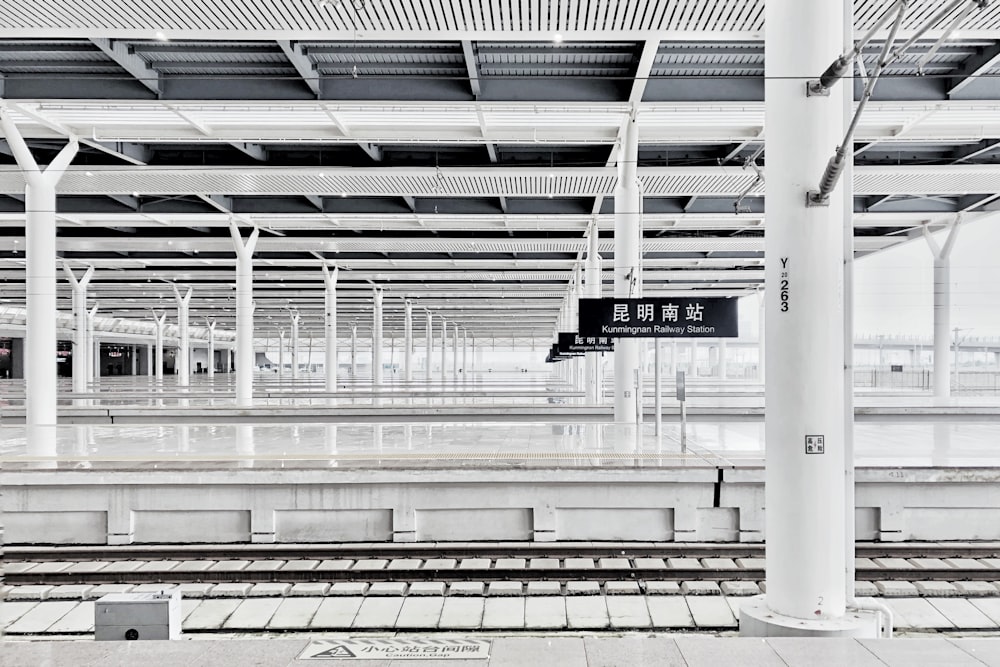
(454, 154)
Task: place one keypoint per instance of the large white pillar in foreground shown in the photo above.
(40, 287)
(244, 314)
(804, 390)
(184, 342)
(942, 309)
(330, 362)
(407, 341)
(592, 290)
(79, 326)
(377, 337)
(628, 270)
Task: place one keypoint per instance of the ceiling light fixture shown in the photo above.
(557, 38)
(161, 36)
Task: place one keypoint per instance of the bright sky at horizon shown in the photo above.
(894, 289)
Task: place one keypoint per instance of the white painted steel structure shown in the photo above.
(377, 351)
(182, 360)
(330, 326)
(245, 361)
(942, 309)
(80, 372)
(804, 391)
(628, 250)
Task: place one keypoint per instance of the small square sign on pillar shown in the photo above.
(815, 444)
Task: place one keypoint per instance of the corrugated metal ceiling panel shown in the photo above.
(414, 16)
(659, 181)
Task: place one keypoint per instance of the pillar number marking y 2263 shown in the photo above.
(783, 291)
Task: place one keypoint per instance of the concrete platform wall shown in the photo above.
(339, 505)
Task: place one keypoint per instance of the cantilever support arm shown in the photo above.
(182, 300)
(944, 252)
(33, 174)
(82, 282)
(243, 247)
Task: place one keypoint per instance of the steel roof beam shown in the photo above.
(220, 65)
(121, 53)
(470, 63)
(214, 48)
(303, 64)
(256, 151)
(985, 59)
(969, 152)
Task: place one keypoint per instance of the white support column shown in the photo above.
(693, 366)
(330, 362)
(183, 358)
(134, 350)
(761, 338)
(673, 358)
(593, 288)
(407, 341)
(377, 337)
(354, 350)
(161, 325)
(150, 361)
(942, 309)
(40, 269)
(93, 348)
(805, 418)
(296, 318)
(454, 352)
(211, 349)
(444, 351)
(658, 384)
(281, 354)
(465, 355)
(244, 314)
(573, 325)
(472, 354)
(628, 269)
(723, 361)
(79, 327)
(429, 330)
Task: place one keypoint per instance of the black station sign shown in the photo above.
(555, 355)
(572, 342)
(659, 317)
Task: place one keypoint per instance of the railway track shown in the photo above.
(525, 562)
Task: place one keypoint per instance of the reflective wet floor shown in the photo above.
(940, 443)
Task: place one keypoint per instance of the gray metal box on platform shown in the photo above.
(137, 616)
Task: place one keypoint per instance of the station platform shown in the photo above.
(489, 481)
(592, 650)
